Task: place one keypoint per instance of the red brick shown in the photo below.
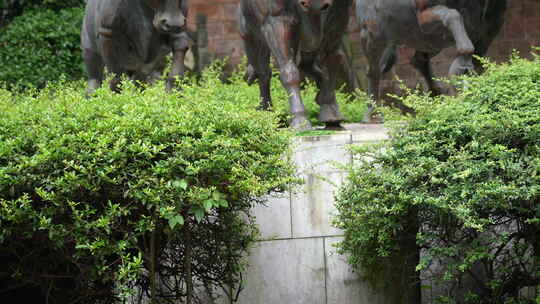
(533, 28)
(530, 9)
(447, 54)
(404, 71)
(405, 54)
(502, 50)
(213, 12)
(523, 47)
(514, 28)
(215, 30)
(440, 69)
(231, 11)
(231, 27)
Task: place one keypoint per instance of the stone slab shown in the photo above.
(313, 208)
(274, 218)
(322, 153)
(367, 132)
(344, 286)
(285, 271)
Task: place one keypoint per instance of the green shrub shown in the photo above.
(463, 179)
(13, 8)
(94, 191)
(40, 46)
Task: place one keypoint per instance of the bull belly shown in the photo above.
(425, 42)
(134, 64)
(433, 43)
(143, 70)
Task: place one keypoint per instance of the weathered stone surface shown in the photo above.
(274, 218)
(300, 265)
(343, 286)
(286, 271)
(313, 209)
(322, 153)
(367, 132)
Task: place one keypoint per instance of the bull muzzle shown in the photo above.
(315, 5)
(168, 24)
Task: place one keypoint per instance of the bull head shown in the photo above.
(169, 15)
(313, 18)
(315, 6)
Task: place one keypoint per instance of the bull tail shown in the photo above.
(388, 59)
(250, 76)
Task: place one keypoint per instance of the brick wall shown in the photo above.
(222, 27)
(520, 31)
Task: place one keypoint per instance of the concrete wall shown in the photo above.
(295, 262)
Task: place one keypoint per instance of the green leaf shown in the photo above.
(176, 220)
(208, 204)
(180, 184)
(223, 203)
(199, 215)
(216, 195)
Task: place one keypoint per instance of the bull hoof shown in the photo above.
(170, 84)
(300, 123)
(436, 90)
(367, 115)
(461, 65)
(93, 85)
(114, 85)
(250, 75)
(265, 106)
(370, 117)
(334, 126)
(329, 114)
(89, 92)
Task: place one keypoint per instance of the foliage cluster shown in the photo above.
(40, 41)
(463, 178)
(142, 191)
(12, 8)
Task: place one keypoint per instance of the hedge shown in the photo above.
(140, 192)
(456, 189)
(41, 45)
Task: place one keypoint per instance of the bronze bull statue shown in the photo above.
(302, 36)
(428, 26)
(133, 37)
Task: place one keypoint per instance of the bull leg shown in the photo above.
(481, 47)
(374, 78)
(110, 57)
(326, 83)
(259, 68)
(177, 69)
(278, 34)
(157, 71)
(453, 21)
(373, 49)
(482, 44)
(94, 67)
(421, 61)
(180, 44)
